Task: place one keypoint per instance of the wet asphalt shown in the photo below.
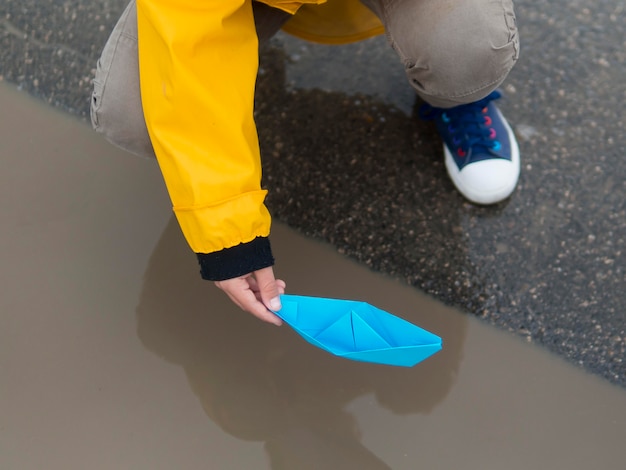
(346, 160)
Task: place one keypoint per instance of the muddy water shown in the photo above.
(113, 354)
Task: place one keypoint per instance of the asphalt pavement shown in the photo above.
(346, 160)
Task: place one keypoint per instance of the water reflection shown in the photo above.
(263, 383)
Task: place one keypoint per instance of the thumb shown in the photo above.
(268, 289)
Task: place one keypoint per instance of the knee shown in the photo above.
(457, 64)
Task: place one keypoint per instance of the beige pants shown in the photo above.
(454, 52)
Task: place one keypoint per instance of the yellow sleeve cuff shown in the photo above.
(225, 224)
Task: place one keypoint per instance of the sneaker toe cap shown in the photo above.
(489, 181)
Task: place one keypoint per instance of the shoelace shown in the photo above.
(469, 125)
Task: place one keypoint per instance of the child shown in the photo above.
(176, 79)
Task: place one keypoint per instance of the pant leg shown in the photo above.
(116, 110)
(454, 51)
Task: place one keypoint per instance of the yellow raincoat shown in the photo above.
(198, 62)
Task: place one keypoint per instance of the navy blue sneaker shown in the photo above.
(481, 153)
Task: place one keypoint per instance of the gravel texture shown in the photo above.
(347, 161)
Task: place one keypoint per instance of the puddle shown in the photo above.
(115, 353)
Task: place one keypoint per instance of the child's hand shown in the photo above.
(256, 293)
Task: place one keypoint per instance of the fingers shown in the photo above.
(256, 293)
(251, 304)
(280, 284)
(268, 288)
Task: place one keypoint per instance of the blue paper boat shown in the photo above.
(357, 330)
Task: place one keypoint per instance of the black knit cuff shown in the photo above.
(236, 261)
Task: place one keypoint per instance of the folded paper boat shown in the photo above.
(357, 330)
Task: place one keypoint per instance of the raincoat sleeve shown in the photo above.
(198, 62)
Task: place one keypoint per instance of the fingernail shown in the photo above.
(275, 304)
